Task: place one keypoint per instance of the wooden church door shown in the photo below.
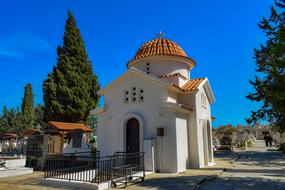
(133, 135)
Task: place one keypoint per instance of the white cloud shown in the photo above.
(21, 43)
(10, 53)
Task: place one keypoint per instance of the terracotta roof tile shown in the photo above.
(159, 46)
(29, 132)
(192, 85)
(69, 126)
(8, 135)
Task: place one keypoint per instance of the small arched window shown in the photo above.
(126, 97)
(134, 94)
(141, 95)
(147, 68)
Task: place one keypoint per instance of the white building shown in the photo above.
(157, 92)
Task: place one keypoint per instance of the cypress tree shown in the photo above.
(270, 84)
(39, 115)
(28, 107)
(70, 89)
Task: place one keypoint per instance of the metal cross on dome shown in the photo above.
(160, 34)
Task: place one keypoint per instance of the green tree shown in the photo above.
(4, 120)
(39, 115)
(91, 122)
(270, 60)
(28, 107)
(11, 121)
(70, 89)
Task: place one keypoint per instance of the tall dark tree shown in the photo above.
(28, 107)
(270, 60)
(39, 115)
(70, 89)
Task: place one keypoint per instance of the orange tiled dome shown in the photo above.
(159, 46)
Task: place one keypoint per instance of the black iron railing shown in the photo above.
(92, 168)
(94, 154)
(72, 166)
(126, 166)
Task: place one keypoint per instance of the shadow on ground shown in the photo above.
(244, 183)
(170, 183)
(228, 183)
(269, 172)
(264, 159)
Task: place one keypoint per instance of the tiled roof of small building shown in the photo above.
(192, 85)
(8, 135)
(29, 132)
(159, 46)
(68, 126)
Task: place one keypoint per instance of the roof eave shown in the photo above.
(206, 85)
(189, 61)
(177, 107)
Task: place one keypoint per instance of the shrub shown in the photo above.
(243, 145)
(250, 143)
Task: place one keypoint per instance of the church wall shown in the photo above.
(172, 79)
(141, 66)
(172, 96)
(168, 67)
(104, 145)
(178, 80)
(111, 129)
(182, 142)
(193, 132)
(187, 99)
(197, 120)
(160, 67)
(181, 81)
(166, 145)
(193, 148)
(203, 112)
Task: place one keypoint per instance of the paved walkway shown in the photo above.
(24, 182)
(190, 179)
(257, 168)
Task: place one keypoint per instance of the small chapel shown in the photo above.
(156, 107)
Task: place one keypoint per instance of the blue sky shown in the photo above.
(218, 35)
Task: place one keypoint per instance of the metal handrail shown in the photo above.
(97, 153)
(93, 169)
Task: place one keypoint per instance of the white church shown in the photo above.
(157, 108)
